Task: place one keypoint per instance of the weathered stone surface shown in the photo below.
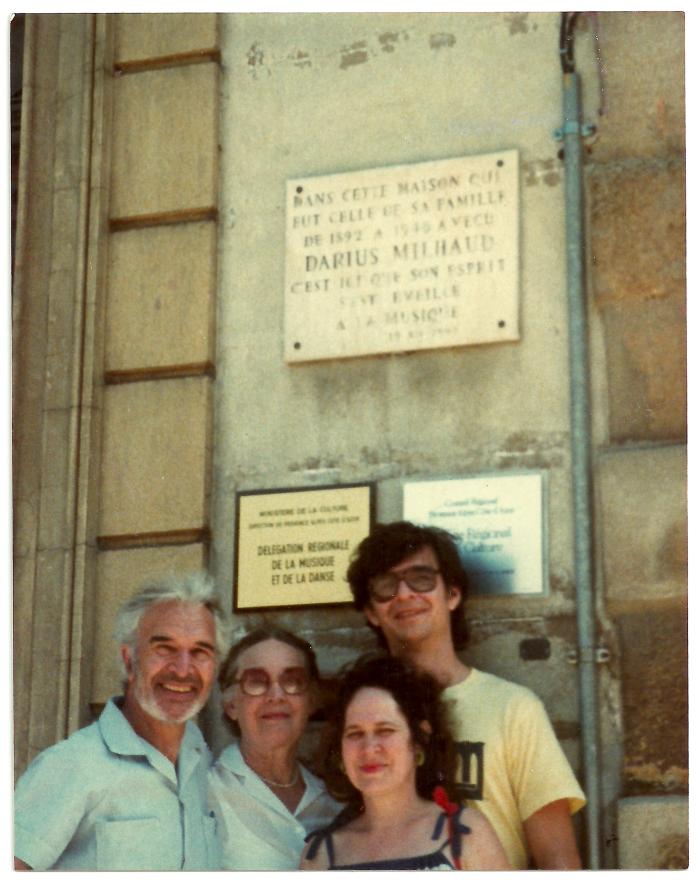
(150, 35)
(646, 367)
(119, 575)
(653, 833)
(50, 641)
(638, 260)
(451, 411)
(155, 468)
(654, 663)
(56, 512)
(638, 231)
(644, 526)
(52, 342)
(643, 96)
(161, 296)
(165, 140)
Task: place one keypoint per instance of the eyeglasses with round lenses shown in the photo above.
(256, 683)
(421, 579)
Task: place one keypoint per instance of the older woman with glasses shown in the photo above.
(266, 802)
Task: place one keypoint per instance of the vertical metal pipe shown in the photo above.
(581, 459)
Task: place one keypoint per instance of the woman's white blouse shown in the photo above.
(255, 829)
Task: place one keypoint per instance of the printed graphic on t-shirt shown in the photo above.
(470, 770)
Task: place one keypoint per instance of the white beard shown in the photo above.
(147, 702)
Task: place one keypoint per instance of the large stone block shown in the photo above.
(640, 88)
(654, 681)
(119, 575)
(155, 470)
(638, 258)
(152, 35)
(646, 367)
(165, 140)
(161, 296)
(653, 833)
(643, 510)
(637, 231)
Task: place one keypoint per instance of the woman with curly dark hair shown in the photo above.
(387, 753)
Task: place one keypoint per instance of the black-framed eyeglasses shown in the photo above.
(420, 579)
(256, 683)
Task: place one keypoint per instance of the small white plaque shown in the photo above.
(499, 522)
(402, 258)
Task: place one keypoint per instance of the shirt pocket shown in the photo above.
(128, 845)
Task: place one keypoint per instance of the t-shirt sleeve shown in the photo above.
(49, 804)
(540, 772)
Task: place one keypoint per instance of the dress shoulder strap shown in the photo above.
(455, 830)
(316, 838)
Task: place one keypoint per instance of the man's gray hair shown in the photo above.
(194, 588)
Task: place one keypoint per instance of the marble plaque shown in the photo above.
(402, 258)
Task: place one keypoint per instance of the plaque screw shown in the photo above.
(500, 163)
(297, 345)
(501, 323)
(300, 189)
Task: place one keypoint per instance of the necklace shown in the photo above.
(293, 781)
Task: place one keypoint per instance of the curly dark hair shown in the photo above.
(228, 669)
(390, 543)
(418, 697)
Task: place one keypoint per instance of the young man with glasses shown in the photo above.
(409, 582)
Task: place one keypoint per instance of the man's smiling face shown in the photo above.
(172, 669)
(410, 616)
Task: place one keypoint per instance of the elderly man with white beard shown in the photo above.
(129, 791)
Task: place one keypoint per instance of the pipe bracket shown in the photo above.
(599, 655)
(571, 127)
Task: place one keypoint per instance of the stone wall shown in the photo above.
(113, 323)
(56, 321)
(307, 95)
(636, 198)
(155, 481)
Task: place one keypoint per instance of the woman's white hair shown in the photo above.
(194, 588)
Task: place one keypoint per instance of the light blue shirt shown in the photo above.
(106, 799)
(257, 831)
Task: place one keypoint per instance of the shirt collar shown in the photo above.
(118, 734)
(232, 758)
(120, 738)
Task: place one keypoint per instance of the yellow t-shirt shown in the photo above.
(510, 763)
